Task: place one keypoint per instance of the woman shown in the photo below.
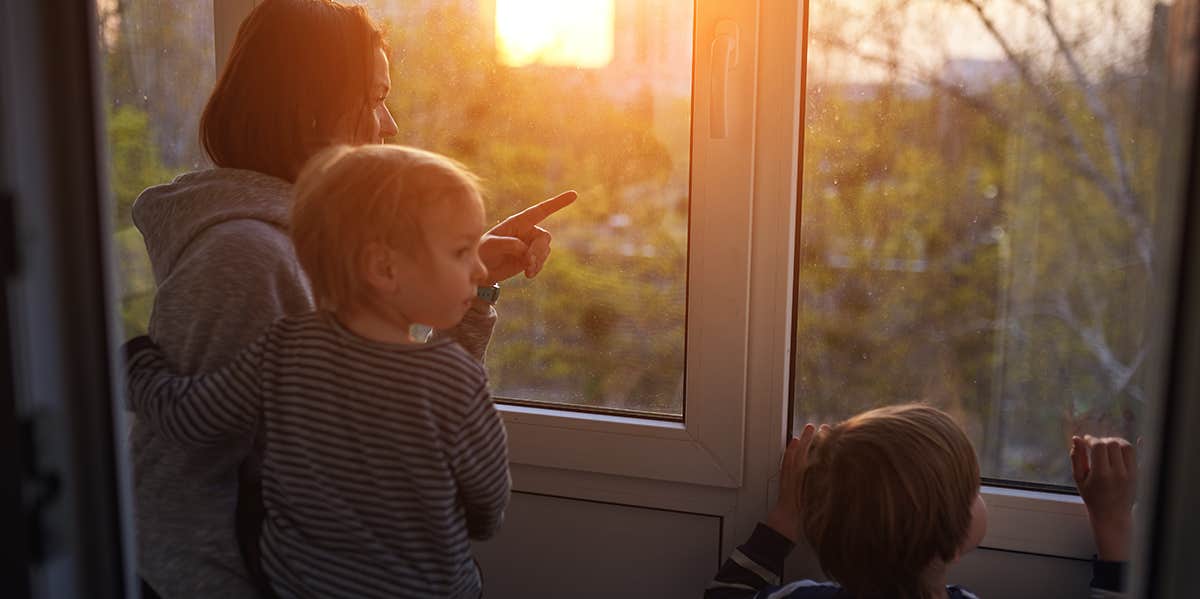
(302, 75)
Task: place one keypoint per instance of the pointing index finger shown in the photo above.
(539, 212)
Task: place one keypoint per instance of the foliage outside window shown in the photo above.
(981, 182)
(603, 325)
(157, 65)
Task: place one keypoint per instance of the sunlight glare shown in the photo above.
(576, 33)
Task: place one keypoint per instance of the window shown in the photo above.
(147, 48)
(539, 96)
(650, 274)
(983, 190)
(960, 204)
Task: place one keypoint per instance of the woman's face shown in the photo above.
(376, 122)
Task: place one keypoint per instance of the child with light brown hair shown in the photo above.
(384, 455)
(889, 499)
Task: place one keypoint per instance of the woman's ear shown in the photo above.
(378, 269)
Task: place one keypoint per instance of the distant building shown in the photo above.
(975, 75)
(653, 48)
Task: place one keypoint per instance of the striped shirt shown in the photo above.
(381, 460)
(755, 570)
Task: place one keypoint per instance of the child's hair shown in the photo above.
(296, 68)
(885, 493)
(349, 197)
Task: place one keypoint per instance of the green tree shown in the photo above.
(158, 67)
(603, 324)
(1029, 194)
(134, 165)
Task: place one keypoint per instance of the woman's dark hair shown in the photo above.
(297, 69)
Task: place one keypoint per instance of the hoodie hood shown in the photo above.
(170, 216)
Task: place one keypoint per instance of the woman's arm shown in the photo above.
(199, 410)
(475, 331)
(514, 246)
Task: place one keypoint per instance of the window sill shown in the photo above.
(1038, 522)
(562, 418)
(606, 444)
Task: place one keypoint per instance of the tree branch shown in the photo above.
(1099, 111)
(1124, 203)
(1080, 163)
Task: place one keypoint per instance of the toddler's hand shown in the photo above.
(785, 516)
(1105, 471)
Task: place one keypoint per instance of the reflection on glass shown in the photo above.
(982, 183)
(538, 97)
(157, 64)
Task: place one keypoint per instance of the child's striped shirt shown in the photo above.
(755, 571)
(381, 460)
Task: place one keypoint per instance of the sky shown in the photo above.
(580, 32)
(930, 31)
(555, 32)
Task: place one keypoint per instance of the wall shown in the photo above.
(555, 547)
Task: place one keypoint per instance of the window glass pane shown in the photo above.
(157, 63)
(539, 96)
(983, 183)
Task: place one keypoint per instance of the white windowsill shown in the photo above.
(613, 445)
(565, 418)
(1037, 522)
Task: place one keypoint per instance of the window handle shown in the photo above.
(724, 59)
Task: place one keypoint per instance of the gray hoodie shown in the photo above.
(225, 270)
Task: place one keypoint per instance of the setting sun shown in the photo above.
(578, 33)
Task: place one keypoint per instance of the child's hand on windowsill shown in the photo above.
(1105, 471)
(785, 516)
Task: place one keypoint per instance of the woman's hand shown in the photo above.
(518, 244)
(785, 516)
(1105, 471)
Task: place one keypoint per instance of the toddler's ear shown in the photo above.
(976, 530)
(377, 267)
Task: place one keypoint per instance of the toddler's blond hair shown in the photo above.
(349, 197)
(885, 494)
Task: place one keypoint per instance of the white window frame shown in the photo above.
(706, 448)
(722, 458)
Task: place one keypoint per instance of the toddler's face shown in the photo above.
(444, 275)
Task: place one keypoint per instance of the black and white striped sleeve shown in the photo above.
(480, 463)
(200, 410)
(755, 566)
